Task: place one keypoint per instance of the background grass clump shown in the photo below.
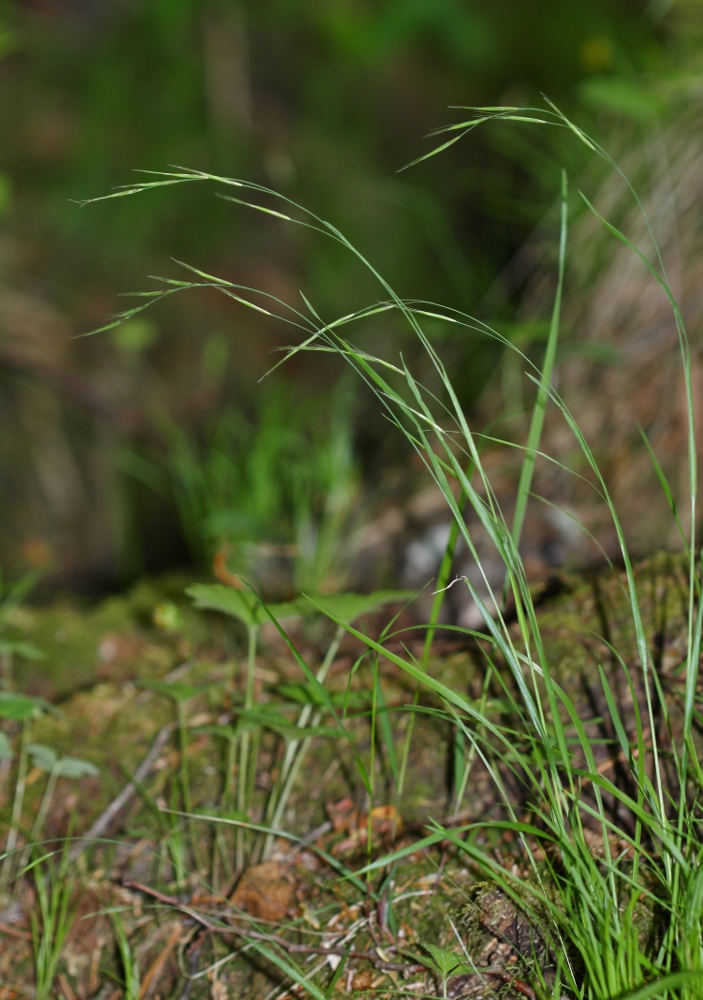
(325, 105)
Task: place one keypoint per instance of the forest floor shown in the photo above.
(153, 903)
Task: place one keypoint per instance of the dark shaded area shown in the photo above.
(105, 439)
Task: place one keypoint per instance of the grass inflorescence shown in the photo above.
(592, 843)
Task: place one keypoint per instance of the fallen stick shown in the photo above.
(102, 823)
(303, 949)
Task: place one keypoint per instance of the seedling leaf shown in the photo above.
(42, 756)
(441, 961)
(241, 604)
(348, 607)
(74, 767)
(19, 707)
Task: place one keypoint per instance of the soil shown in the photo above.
(182, 923)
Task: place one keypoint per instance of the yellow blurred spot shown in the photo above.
(36, 553)
(308, 916)
(167, 616)
(135, 335)
(597, 54)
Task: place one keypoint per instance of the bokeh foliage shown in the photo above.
(324, 101)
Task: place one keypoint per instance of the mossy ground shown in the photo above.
(96, 659)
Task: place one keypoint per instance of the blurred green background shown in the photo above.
(151, 446)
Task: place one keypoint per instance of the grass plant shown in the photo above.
(611, 873)
(46, 759)
(12, 596)
(278, 490)
(180, 693)
(248, 608)
(280, 731)
(129, 961)
(56, 898)
(21, 709)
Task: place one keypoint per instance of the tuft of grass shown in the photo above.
(57, 901)
(129, 961)
(12, 596)
(612, 872)
(247, 607)
(277, 493)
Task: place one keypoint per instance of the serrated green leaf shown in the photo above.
(235, 603)
(348, 607)
(448, 962)
(441, 961)
(421, 960)
(242, 604)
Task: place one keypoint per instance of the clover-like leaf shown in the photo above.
(43, 757)
(74, 767)
(46, 759)
(21, 707)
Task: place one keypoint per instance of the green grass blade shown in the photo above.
(537, 423)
